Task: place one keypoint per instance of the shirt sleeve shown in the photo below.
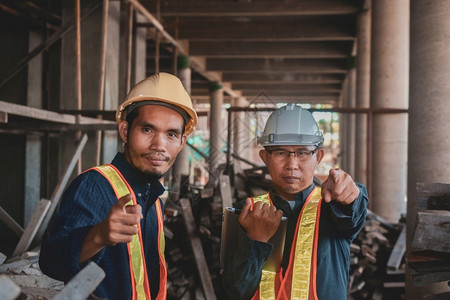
(350, 219)
(85, 203)
(242, 273)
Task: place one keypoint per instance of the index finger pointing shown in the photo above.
(334, 174)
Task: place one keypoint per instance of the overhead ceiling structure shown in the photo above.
(263, 50)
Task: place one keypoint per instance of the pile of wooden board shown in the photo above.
(21, 278)
(377, 261)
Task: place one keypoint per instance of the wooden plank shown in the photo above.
(46, 115)
(428, 261)
(35, 113)
(398, 251)
(433, 196)
(373, 216)
(423, 279)
(2, 258)
(57, 193)
(432, 231)
(225, 190)
(10, 222)
(15, 265)
(197, 250)
(39, 293)
(83, 284)
(3, 117)
(32, 227)
(9, 290)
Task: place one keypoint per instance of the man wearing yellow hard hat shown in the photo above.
(112, 214)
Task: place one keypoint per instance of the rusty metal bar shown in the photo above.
(128, 48)
(101, 92)
(157, 39)
(175, 49)
(78, 53)
(369, 155)
(229, 119)
(78, 69)
(158, 25)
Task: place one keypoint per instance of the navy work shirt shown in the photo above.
(87, 202)
(338, 226)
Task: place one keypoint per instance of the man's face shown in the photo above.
(291, 175)
(154, 140)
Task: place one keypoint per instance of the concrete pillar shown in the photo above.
(140, 51)
(239, 139)
(216, 127)
(33, 141)
(181, 166)
(111, 95)
(389, 89)
(350, 123)
(428, 112)
(362, 93)
(343, 124)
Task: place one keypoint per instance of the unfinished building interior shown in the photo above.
(375, 74)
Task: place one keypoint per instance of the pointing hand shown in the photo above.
(339, 187)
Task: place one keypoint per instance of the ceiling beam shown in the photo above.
(208, 8)
(274, 65)
(260, 49)
(286, 77)
(331, 28)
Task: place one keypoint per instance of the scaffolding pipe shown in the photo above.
(157, 39)
(78, 70)
(101, 92)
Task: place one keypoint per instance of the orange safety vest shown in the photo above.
(138, 267)
(299, 281)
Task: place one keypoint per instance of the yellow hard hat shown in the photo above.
(166, 89)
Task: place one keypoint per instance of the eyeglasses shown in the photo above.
(300, 155)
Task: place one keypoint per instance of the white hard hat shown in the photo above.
(291, 125)
(160, 89)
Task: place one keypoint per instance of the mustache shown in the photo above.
(155, 155)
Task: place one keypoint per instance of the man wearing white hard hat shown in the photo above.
(321, 221)
(112, 214)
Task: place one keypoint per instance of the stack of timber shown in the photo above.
(428, 260)
(377, 269)
(21, 278)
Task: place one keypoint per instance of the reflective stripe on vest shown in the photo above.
(266, 286)
(299, 281)
(138, 269)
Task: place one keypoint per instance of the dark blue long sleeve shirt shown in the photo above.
(338, 226)
(87, 202)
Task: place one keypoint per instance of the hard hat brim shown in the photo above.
(291, 140)
(190, 124)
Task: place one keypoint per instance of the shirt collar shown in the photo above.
(300, 198)
(128, 171)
